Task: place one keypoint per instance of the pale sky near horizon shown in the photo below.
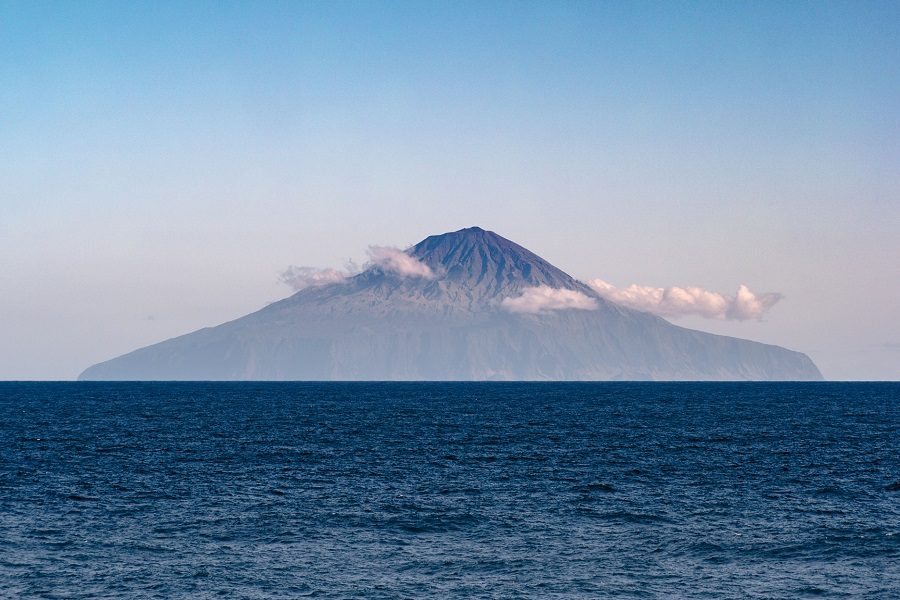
(161, 163)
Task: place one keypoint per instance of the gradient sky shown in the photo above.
(161, 163)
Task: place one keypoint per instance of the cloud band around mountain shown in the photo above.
(672, 302)
(398, 262)
(387, 258)
(683, 301)
(542, 299)
(301, 278)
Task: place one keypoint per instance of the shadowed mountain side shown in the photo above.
(378, 325)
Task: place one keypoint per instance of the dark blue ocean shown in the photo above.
(449, 490)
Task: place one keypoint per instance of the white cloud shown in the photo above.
(389, 260)
(679, 302)
(303, 277)
(394, 260)
(545, 298)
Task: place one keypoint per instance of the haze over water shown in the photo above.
(436, 490)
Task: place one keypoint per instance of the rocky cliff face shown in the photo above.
(454, 324)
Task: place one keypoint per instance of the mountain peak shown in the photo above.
(484, 260)
(472, 234)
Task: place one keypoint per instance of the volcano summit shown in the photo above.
(466, 305)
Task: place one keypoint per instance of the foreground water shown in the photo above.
(366, 490)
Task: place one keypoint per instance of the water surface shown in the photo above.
(437, 490)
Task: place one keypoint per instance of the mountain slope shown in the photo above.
(452, 326)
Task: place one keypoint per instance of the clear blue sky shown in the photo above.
(160, 163)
